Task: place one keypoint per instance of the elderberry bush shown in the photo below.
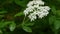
(29, 16)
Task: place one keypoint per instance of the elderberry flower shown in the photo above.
(32, 16)
(35, 8)
(35, 2)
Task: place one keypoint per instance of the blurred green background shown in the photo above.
(11, 18)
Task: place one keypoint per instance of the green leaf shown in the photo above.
(52, 19)
(21, 3)
(19, 14)
(53, 9)
(1, 32)
(58, 13)
(27, 29)
(1, 16)
(2, 12)
(58, 0)
(57, 24)
(12, 26)
(4, 23)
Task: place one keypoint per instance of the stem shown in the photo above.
(22, 22)
(56, 32)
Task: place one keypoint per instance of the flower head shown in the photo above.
(35, 8)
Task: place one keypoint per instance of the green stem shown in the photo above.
(22, 22)
(56, 32)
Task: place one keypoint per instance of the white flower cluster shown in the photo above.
(35, 8)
